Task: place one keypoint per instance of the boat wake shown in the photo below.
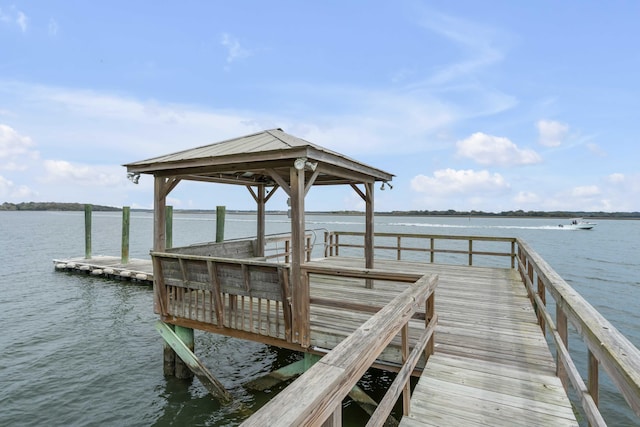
(477, 226)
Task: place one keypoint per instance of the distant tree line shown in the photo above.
(52, 206)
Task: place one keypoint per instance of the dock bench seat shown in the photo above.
(236, 294)
(235, 249)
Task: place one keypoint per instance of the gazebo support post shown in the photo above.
(300, 287)
(162, 187)
(159, 244)
(368, 234)
(260, 232)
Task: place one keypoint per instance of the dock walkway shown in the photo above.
(492, 364)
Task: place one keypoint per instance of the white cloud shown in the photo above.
(527, 198)
(595, 149)
(234, 50)
(5, 186)
(11, 191)
(448, 181)
(14, 148)
(479, 44)
(460, 190)
(616, 178)
(53, 27)
(552, 133)
(111, 128)
(14, 17)
(85, 175)
(586, 191)
(494, 150)
(21, 20)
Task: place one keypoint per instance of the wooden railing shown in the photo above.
(315, 398)
(397, 246)
(238, 294)
(606, 346)
(278, 247)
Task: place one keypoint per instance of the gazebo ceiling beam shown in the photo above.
(311, 180)
(282, 182)
(348, 176)
(362, 195)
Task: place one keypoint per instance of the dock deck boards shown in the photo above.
(491, 366)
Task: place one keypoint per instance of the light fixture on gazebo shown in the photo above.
(133, 177)
(302, 162)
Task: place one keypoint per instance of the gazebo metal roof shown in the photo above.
(260, 158)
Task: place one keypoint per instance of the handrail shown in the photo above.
(606, 346)
(333, 244)
(272, 248)
(319, 392)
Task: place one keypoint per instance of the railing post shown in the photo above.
(126, 216)
(470, 252)
(432, 249)
(406, 392)
(429, 313)
(561, 320)
(169, 226)
(337, 246)
(309, 249)
(399, 246)
(543, 297)
(530, 275)
(335, 419)
(87, 231)
(326, 244)
(513, 254)
(287, 250)
(593, 377)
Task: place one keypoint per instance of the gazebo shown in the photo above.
(264, 162)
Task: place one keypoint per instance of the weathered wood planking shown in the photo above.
(492, 365)
(318, 393)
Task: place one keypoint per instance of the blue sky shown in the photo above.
(493, 105)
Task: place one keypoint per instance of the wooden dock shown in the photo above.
(489, 362)
(492, 365)
(110, 267)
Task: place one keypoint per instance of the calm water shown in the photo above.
(77, 350)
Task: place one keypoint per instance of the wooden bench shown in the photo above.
(235, 249)
(236, 294)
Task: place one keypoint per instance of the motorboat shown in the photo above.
(578, 224)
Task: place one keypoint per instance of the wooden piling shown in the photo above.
(169, 226)
(169, 356)
(186, 335)
(220, 218)
(214, 386)
(126, 216)
(87, 231)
